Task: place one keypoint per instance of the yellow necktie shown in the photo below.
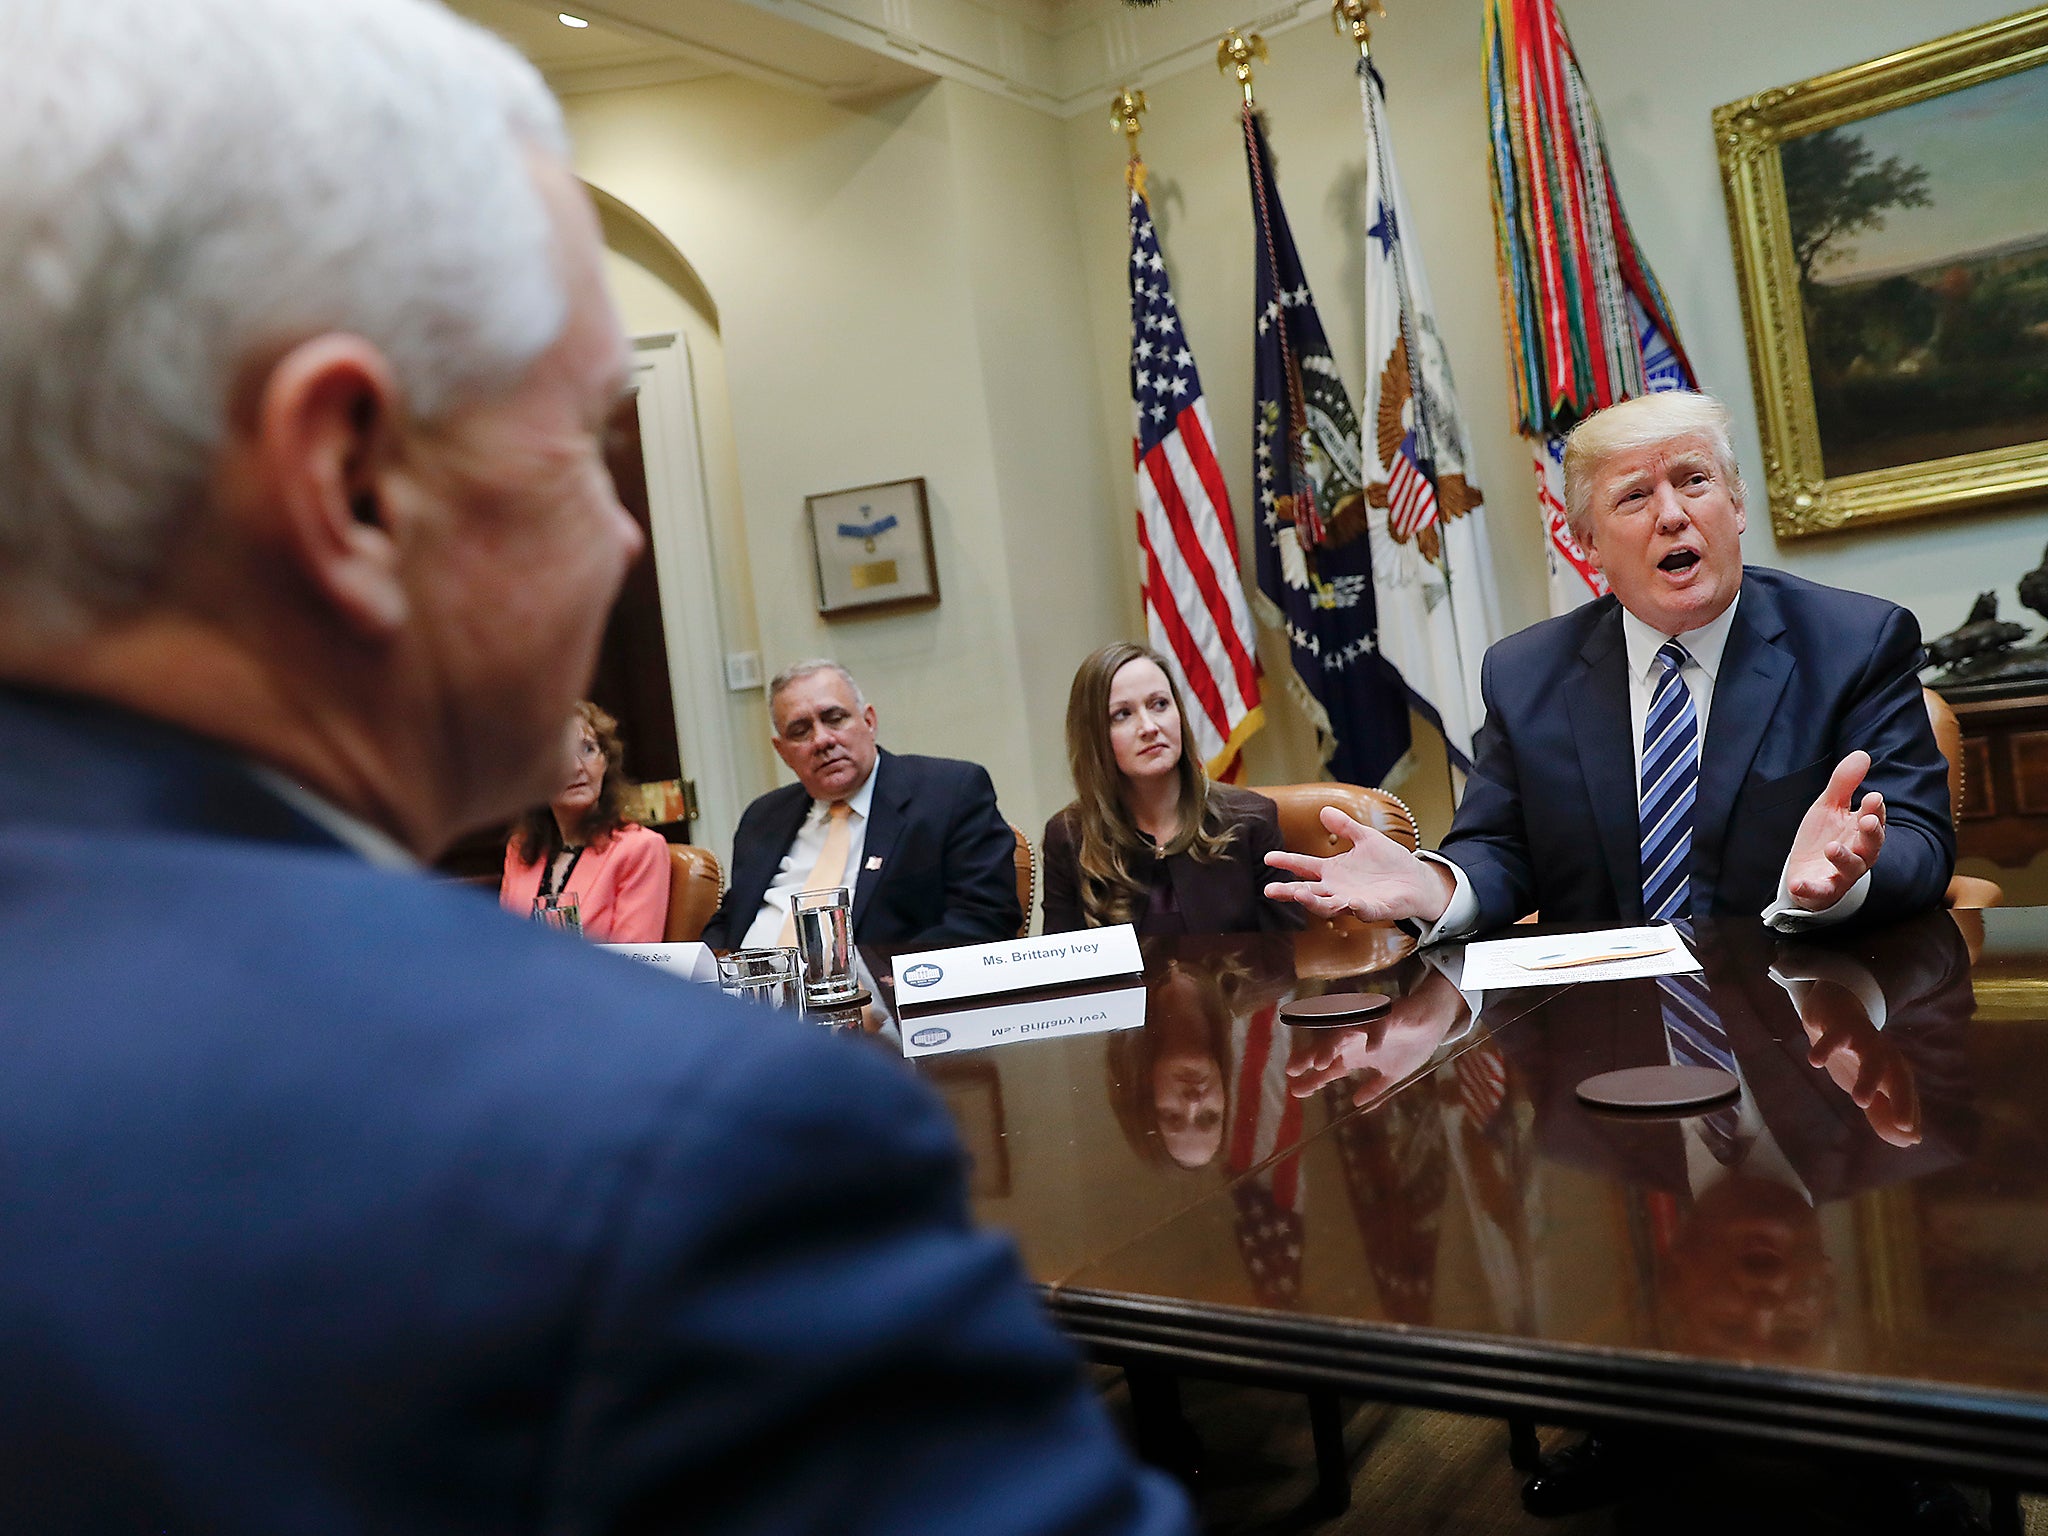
(830, 870)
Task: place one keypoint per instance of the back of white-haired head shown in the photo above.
(1643, 422)
(189, 185)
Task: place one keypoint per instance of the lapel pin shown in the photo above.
(875, 862)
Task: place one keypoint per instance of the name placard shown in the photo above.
(1016, 965)
(971, 1029)
(685, 962)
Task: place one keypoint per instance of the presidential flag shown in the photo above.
(1432, 565)
(1314, 554)
(1195, 610)
(1587, 323)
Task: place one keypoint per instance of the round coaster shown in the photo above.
(1671, 1090)
(1335, 1008)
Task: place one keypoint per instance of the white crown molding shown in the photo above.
(1061, 57)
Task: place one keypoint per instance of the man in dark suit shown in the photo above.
(1691, 743)
(334, 1198)
(919, 839)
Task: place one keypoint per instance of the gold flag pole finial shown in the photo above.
(1234, 56)
(1351, 18)
(1124, 111)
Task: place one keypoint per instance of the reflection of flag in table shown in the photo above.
(1265, 1134)
(1395, 1177)
(1432, 566)
(1587, 324)
(1195, 610)
(1314, 558)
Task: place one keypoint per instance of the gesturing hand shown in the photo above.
(1837, 840)
(1862, 1063)
(1382, 1054)
(1376, 878)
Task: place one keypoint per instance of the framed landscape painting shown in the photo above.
(1890, 224)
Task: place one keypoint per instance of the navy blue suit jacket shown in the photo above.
(948, 871)
(1810, 674)
(335, 1199)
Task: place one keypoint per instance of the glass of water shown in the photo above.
(559, 911)
(771, 976)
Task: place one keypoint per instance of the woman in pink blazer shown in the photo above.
(581, 844)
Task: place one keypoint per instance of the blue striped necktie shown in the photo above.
(1695, 1037)
(1671, 774)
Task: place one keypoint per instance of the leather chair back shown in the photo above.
(1027, 877)
(695, 883)
(1301, 808)
(1966, 891)
(1302, 831)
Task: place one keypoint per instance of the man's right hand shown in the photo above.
(1375, 879)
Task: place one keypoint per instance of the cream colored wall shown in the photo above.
(832, 242)
(653, 305)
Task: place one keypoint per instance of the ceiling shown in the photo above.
(659, 42)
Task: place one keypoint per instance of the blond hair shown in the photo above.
(1643, 422)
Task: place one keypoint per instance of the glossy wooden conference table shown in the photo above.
(1421, 1211)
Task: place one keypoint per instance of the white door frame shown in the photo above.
(678, 509)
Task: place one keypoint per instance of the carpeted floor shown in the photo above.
(1438, 1474)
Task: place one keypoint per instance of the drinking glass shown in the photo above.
(771, 976)
(558, 911)
(824, 938)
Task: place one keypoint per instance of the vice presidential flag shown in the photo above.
(1432, 566)
(1314, 555)
(1195, 610)
(1587, 324)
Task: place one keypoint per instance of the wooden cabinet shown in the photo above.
(2004, 812)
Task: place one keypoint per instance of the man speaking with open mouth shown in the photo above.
(1708, 738)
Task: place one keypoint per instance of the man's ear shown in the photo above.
(322, 435)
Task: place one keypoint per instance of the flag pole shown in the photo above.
(1234, 56)
(1125, 108)
(1351, 18)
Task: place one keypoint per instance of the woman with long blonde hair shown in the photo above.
(1148, 840)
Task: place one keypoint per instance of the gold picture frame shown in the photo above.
(1876, 438)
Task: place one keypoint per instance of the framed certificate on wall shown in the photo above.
(873, 549)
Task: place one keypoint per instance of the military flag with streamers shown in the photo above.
(1432, 566)
(1587, 324)
(1195, 610)
(1314, 555)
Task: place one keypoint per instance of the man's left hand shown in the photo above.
(1838, 839)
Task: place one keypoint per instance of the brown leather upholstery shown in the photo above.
(1027, 876)
(1302, 830)
(1301, 808)
(1963, 890)
(695, 882)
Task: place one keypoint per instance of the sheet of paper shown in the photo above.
(1606, 954)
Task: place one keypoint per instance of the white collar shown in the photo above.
(1705, 644)
(350, 831)
(859, 801)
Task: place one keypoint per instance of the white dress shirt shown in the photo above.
(802, 858)
(1706, 645)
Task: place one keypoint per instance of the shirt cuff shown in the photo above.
(1462, 915)
(1788, 917)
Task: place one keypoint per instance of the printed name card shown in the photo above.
(970, 1029)
(1016, 965)
(685, 962)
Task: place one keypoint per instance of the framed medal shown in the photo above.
(873, 549)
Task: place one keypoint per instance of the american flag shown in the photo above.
(1195, 610)
(1266, 1126)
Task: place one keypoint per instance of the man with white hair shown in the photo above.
(1692, 743)
(333, 1198)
